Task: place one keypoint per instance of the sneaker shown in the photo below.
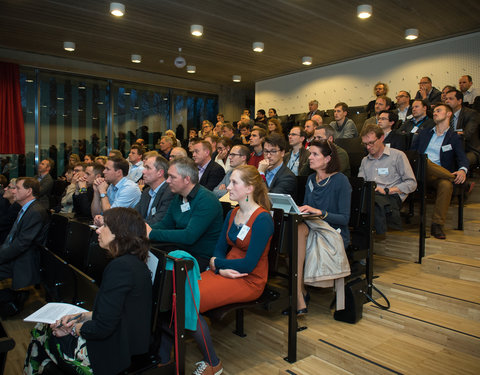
(203, 368)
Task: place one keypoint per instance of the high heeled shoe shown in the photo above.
(300, 312)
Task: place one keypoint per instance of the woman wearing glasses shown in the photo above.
(327, 194)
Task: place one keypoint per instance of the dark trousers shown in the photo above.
(387, 212)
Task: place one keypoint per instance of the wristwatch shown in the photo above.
(103, 195)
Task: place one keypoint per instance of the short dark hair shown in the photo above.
(329, 130)
(428, 79)
(116, 153)
(423, 101)
(120, 163)
(458, 94)
(276, 139)
(81, 164)
(97, 168)
(372, 128)
(469, 78)
(343, 105)
(302, 130)
(328, 149)
(243, 151)
(140, 149)
(449, 87)
(130, 232)
(244, 126)
(392, 116)
(31, 183)
(262, 133)
(447, 107)
(406, 92)
(228, 126)
(262, 111)
(388, 101)
(273, 109)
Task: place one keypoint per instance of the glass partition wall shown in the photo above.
(68, 114)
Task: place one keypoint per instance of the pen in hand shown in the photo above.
(69, 320)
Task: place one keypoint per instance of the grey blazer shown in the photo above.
(160, 204)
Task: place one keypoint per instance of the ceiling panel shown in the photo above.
(329, 31)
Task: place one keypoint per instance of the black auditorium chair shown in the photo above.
(356, 152)
(97, 259)
(57, 234)
(77, 243)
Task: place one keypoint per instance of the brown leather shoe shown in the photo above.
(437, 231)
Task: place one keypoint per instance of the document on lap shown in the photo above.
(52, 312)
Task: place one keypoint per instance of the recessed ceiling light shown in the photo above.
(81, 86)
(191, 69)
(29, 80)
(258, 46)
(237, 78)
(196, 30)
(364, 11)
(117, 9)
(69, 46)
(137, 59)
(307, 60)
(411, 34)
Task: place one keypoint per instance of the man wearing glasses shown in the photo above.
(278, 177)
(297, 158)
(427, 92)
(238, 156)
(391, 171)
(404, 109)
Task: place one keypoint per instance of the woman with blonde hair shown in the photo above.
(239, 266)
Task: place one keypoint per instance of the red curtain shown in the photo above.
(12, 131)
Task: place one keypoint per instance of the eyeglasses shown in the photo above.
(11, 187)
(423, 83)
(233, 154)
(371, 143)
(271, 152)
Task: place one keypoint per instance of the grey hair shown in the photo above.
(186, 167)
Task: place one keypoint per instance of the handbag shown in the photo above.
(355, 291)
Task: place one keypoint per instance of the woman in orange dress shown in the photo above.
(238, 274)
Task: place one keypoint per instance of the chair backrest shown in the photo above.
(226, 207)
(356, 152)
(362, 213)
(300, 196)
(96, 259)
(57, 234)
(77, 243)
(418, 162)
(277, 240)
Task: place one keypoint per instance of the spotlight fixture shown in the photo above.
(196, 30)
(237, 78)
(411, 34)
(180, 61)
(364, 11)
(191, 69)
(69, 46)
(117, 9)
(137, 59)
(307, 60)
(258, 46)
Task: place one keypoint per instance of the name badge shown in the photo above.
(409, 117)
(243, 232)
(153, 211)
(185, 207)
(383, 171)
(310, 185)
(414, 130)
(387, 145)
(447, 148)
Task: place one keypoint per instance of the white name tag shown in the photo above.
(409, 117)
(243, 232)
(310, 185)
(387, 145)
(153, 211)
(414, 130)
(185, 207)
(383, 171)
(447, 148)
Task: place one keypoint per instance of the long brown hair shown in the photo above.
(250, 176)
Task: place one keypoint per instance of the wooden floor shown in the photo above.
(432, 327)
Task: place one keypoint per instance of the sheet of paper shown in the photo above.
(53, 311)
(152, 264)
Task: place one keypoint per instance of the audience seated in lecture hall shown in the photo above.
(390, 169)
(103, 340)
(380, 89)
(382, 103)
(297, 158)
(238, 156)
(326, 132)
(427, 92)
(328, 194)
(194, 217)
(239, 265)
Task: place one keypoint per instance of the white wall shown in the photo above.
(352, 81)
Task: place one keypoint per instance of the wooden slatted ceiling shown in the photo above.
(329, 31)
